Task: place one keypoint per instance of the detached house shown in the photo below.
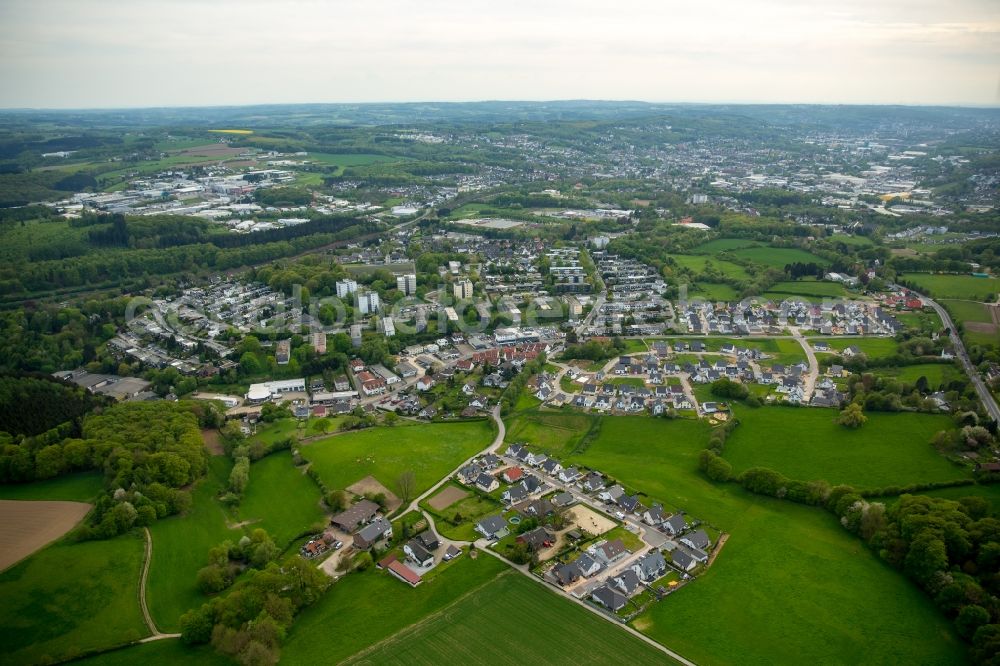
(376, 531)
(651, 566)
(493, 528)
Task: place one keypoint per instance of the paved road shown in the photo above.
(813, 375)
(977, 381)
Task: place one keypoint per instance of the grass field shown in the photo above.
(976, 321)
(82, 487)
(515, 607)
(778, 257)
(806, 444)
(790, 586)
(936, 373)
(475, 611)
(805, 289)
(71, 598)
(954, 286)
(698, 264)
(724, 244)
(712, 291)
(559, 432)
(275, 477)
(871, 347)
(430, 451)
(180, 549)
(154, 653)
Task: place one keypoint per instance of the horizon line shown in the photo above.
(155, 107)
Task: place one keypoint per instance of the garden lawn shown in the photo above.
(430, 451)
(272, 433)
(779, 257)
(82, 487)
(551, 629)
(180, 549)
(954, 286)
(298, 509)
(71, 598)
(807, 444)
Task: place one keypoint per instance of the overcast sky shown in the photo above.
(117, 53)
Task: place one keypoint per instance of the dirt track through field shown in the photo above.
(27, 526)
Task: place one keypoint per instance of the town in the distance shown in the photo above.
(584, 382)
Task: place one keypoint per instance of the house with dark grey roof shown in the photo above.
(697, 539)
(569, 475)
(608, 552)
(682, 560)
(429, 540)
(567, 574)
(563, 499)
(650, 566)
(537, 539)
(653, 515)
(593, 482)
(611, 599)
(627, 582)
(514, 494)
(493, 527)
(417, 553)
(487, 482)
(551, 466)
(628, 503)
(378, 530)
(359, 514)
(674, 525)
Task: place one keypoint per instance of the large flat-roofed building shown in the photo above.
(268, 390)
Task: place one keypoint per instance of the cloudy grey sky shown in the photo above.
(114, 53)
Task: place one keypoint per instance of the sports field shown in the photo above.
(954, 286)
(807, 444)
(430, 451)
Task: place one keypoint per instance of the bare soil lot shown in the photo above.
(590, 521)
(27, 526)
(447, 497)
(370, 484)
(211, 438)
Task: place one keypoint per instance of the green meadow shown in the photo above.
(778, 257)
(790, 585)
(72, 598)
(81, 487)
(808, 444)
(954, 286)
(430, 451)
